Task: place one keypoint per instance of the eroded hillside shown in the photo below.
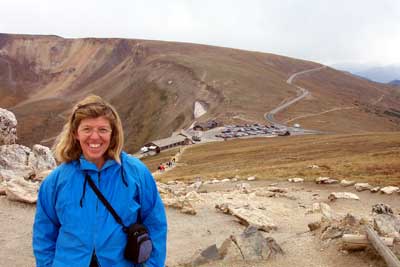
(155, 84)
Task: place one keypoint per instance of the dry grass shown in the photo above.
(371, 157)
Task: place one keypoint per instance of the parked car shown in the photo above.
(196, 138)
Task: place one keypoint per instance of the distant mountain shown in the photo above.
(154, 85)
(395, 82)
(381, 74)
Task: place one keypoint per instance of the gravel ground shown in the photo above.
(188, 234)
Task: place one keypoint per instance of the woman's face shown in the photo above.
(94, 135)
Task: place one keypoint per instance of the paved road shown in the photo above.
(302, 93)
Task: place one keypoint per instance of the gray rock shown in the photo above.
(251, 178)
(210, 254)
(249, 216)
(382, 209)
(342, 195)
(362, 186)
(22, 191)
(8, 127)
(41, 159)
(277, 189)
(332, 232)
(14, 162)
(314, 226)
(327, 213)
(375, 189)
(346, 183)
(296, 180)
(387, 225)
(390, 190)
(248, 246)
(326, 180)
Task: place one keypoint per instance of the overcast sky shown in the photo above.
(325, 31)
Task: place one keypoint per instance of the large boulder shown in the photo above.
(251, 245)
(41, 159)
(390, 190)
(387, 225)
(249, 216)
(14, 162)
(22, 191)
(8, 127)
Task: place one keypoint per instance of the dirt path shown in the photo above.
(188, 234)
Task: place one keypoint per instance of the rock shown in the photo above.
(22, 191)
(41, 159)
(332, 232)
(14, 162)
(254, 246)
(342, 195)
(382, 209)
(387, 225)
(316, 207)
(249, 216)
(244, 188)
(375, 189)
(350, 220)
(215, 181)
(277, 189)
(327, 212)
(208, 255)
(3, 186)
(346, 183)
(248, 246)
(195, 186)
(229, 250)
(251, 178)
(296, 180)
(43, 174)
(8, 127)
(326, 180)
(314, 226)
(162, 188)
(181, 203)
(226, 180)
(390, 190)
(193, 196)
(362, 186)
(262, 193)
(313, 166)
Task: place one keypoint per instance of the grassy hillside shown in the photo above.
(155, 84)
(372, 157)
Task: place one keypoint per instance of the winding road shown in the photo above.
(302, 93)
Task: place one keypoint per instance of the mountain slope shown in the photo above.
(155, 84)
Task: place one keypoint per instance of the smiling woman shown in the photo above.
(71, 228)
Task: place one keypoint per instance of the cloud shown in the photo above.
(322, 31)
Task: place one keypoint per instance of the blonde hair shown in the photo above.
(67, 148)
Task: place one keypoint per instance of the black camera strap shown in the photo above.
(104, 201)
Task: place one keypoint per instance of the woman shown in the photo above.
(72, 227)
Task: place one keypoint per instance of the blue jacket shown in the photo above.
(65, 233)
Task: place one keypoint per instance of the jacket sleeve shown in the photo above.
(46, 224)
(154, 218)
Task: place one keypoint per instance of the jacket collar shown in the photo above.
(86, 165)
